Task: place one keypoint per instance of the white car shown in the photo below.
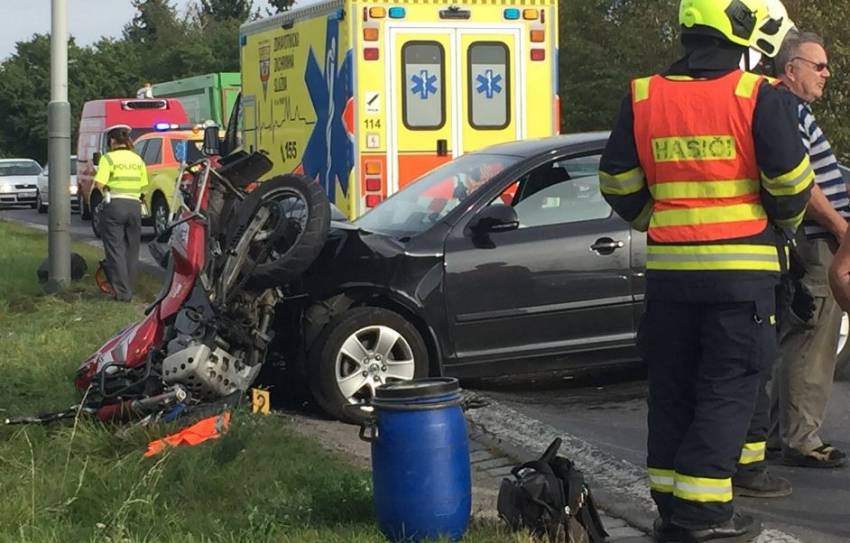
(43, 198)
(18, 181)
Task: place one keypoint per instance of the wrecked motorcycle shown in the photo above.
(234, 243)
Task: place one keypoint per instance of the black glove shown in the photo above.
(803, 303)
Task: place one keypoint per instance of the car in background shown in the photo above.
(161, 153)
(43, 197)
(18, 181)
(141, 115)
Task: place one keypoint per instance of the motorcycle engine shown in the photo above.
(207, 373)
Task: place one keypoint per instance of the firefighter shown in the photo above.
(708, 160)
(121, 174)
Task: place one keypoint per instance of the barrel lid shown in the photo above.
(417, 388)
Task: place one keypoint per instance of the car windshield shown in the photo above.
(24, 167)
(425, 201)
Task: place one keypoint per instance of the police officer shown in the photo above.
(707, 159)
(121, 174)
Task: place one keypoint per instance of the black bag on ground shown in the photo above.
(550, 498)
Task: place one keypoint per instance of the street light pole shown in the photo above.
(59, 153)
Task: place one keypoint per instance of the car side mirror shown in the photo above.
(212, 143)
(495, 218)
(95, 158)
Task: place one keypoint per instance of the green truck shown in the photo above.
(204, 97)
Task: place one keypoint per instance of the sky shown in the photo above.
(88, 20)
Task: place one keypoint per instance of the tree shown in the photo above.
(279, 6)
(155, 19)
(605, 44)
(223, 10)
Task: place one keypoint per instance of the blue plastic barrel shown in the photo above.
(420, 460)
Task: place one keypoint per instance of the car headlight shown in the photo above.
(73, 190)
(6, 187)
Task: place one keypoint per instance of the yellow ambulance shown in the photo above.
(366, 97)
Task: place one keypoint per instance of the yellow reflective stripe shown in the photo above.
(661, 480)
(753, 452)
(702, 489)
(683, 148)
(704, 189)
(641, 222)
(622, 184)
(747, 84)
(791, 183)
(135, 178)
(680, 78)
(793, 222)
(641, 89)
(712, 257)
(708, 215)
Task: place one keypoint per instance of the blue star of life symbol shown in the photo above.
(329, 155)
(488, 84)
(424, 84)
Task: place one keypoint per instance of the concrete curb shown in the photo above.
(620, 488)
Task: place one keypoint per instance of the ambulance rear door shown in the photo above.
(452, 90)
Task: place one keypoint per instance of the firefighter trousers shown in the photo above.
(707, 362)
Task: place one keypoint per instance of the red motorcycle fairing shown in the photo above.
(188, 252)
(129, 348)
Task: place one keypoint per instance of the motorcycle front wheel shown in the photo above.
(292, 236)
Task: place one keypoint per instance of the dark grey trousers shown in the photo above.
(121, 234)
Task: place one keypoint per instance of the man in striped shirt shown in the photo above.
(809, 327)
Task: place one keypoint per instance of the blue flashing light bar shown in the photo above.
(512, 14)
(161, 127)
(396, 12)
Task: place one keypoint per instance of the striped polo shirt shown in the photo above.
(827, 175)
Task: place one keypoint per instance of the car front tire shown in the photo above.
(39, 204)
(85, 212)
(159, 214)
(358, 351)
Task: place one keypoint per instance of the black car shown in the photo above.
(502, 261)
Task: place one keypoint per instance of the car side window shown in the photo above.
(561, 191)
(153, 152)
(140, 146)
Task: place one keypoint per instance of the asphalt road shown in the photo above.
(80, 229)
(609, 412)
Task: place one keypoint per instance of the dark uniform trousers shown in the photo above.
(121, 233)
(707, 362)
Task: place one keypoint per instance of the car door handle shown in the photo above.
(606, 246)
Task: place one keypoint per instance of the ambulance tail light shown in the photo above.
(530, 14)
(372, 200)
(511, 14)
(370, 34)
(371, 53)
(538, 36)
(373, 184)
(372, 167)
(377, 13)
(396, 12)
(538, 54)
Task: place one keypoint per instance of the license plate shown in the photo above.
(27, 194)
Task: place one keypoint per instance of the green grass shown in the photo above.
(85, 481)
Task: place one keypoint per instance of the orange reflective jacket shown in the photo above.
(699, 162)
